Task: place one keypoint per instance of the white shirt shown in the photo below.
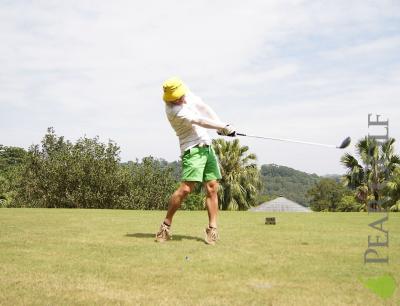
(190, 121)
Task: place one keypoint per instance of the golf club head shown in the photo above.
(345, 143)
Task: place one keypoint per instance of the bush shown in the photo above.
(11, 159)
(152, 183)
(326, 195)
(196, 200)
(395, 207)
(88, 174)
(348, 203)
(81, 175)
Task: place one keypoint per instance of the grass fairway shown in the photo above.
(81, 257)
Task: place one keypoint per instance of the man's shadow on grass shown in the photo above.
(174, 237)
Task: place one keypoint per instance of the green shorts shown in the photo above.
(200, 165)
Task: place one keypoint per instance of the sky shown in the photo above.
(306, 70)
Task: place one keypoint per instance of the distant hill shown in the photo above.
(335, 177)
(287, 182)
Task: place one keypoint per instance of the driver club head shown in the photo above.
(345, 143)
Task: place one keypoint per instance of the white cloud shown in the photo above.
(289, 68)
(372, 48)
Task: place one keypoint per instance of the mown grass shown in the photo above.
(86, 257)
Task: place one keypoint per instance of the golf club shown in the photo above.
(344, 144)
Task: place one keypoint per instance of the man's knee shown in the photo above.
(212, 188)
(185, 189)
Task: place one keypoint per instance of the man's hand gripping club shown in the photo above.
(228, 130)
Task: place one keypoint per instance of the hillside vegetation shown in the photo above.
(287, 182)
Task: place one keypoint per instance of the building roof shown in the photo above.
(281, 204)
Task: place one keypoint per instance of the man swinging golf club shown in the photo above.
(190, 117)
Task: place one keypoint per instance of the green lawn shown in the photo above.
(81, 257)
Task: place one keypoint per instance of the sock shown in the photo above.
(167, 224)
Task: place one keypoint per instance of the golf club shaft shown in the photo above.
(289, 140)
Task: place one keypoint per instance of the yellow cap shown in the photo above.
(174, 89)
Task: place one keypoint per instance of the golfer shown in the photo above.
(190, 117)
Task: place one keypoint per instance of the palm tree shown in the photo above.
(392, 190)
(376, 165)
(390, 160)
(241, 180)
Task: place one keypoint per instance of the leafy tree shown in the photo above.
(392, 190)
(81, 175)
(154, 180)
(152, 183)
(240, 181)
(348, 203)
(367, 175)
(195, 201)
(176, 170)
(11, 159)
(3, 190)
(326, 195)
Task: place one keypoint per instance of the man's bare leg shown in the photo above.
(177, 198)
(212, 202)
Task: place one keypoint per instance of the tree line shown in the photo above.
(85, 174)
(90, 174)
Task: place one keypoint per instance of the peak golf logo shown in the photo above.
(383, 286)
